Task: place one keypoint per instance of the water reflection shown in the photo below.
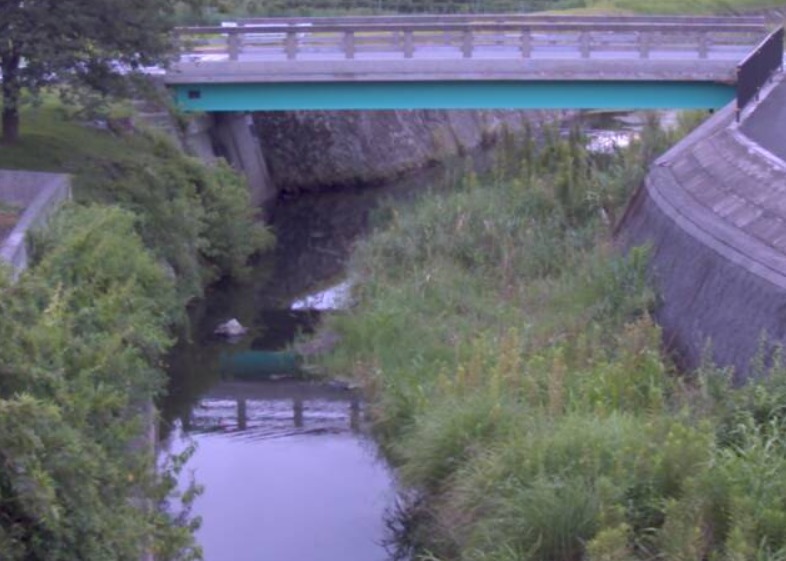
(259, 410)
(288, 474)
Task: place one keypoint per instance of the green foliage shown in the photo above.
(84, 332)
(517, 379)
(731, 7)
(224, 9)
(195, 219)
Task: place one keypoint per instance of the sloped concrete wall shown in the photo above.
(722, 291)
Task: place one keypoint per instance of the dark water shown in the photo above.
(288, 469)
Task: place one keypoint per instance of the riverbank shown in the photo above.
(516, 380)
(85, 330)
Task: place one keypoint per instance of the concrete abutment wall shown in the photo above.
(232, 136)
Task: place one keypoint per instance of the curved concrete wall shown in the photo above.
(711, 211)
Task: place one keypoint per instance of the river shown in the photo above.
(288, 468)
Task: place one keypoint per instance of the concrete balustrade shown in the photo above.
(463, 38)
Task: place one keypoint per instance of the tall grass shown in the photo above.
(516, 379)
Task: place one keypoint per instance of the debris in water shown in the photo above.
(232, 328)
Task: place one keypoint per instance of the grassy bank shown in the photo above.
(228, 9)
(515, 378)
(84, 333)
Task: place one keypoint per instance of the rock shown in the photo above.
(231, 328)
(320, 150)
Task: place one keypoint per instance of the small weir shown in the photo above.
(288, 469)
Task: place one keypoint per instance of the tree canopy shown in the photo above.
(77, 42)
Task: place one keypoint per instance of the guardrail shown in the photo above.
(345, 39)
(757, 68)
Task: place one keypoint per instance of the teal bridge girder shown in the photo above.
(462, 62)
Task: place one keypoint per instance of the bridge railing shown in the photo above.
(498, 18)
(343, 40)
(756, 69)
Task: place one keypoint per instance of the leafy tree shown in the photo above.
(77, 42)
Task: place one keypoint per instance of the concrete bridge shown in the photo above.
(463, 62)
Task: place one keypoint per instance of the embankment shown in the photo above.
(711, 210)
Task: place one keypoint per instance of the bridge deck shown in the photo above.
(462, 62)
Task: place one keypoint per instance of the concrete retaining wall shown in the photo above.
(40, 194)
(722, 289)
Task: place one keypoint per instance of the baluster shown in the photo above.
(233, 43)
(526, 43)
(409, 47)
(349, 44)
(466, 47)
(704, 44)
(644, 44)
(291, 45)
(584, 44)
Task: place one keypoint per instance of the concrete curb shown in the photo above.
(40, 194)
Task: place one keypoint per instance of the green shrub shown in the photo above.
(516, 377)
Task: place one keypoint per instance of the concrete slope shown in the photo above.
(713, 209)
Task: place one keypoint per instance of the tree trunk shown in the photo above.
(10, 126)
(9, 64)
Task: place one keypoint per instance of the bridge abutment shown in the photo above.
(232, 136)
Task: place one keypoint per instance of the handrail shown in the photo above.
(755, 70)
(642, 35)
(501, 17)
